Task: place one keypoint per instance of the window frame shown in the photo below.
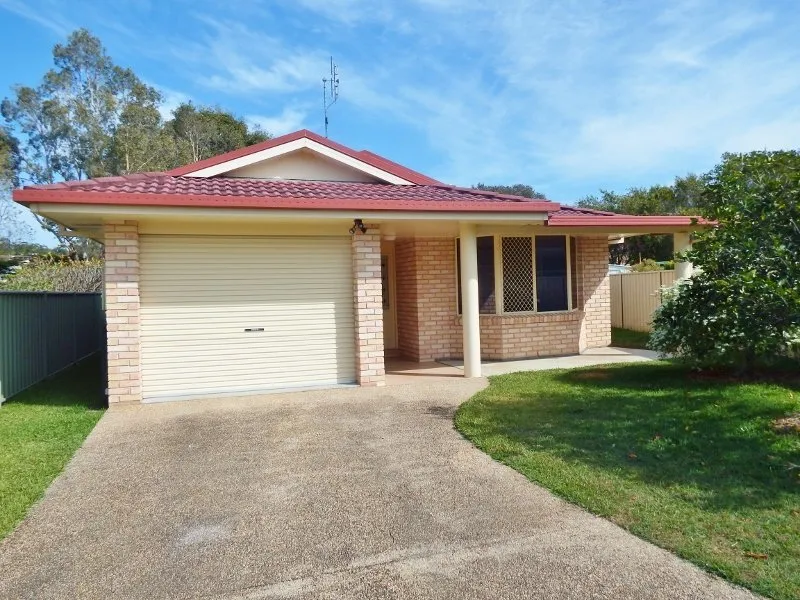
(498, 276)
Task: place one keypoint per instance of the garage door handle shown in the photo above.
(254, 329)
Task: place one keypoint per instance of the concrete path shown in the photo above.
(400, 371)
(590, 357)
(357, 493)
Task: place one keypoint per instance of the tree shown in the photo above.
(140, 142)
(203, 132)
(67, 125)
(90, 117)
(12, 227)
(683, 197)
(518, 189)
(742, 306)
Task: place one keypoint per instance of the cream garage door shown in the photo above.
(227, 315)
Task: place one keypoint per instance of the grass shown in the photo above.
(627, 338)
(40, 430)
(692, 464)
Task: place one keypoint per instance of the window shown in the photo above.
(485, 275)
(517, 274)
(573, 269)
(536, 274)
(551, 273)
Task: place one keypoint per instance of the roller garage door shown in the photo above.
(227, 315)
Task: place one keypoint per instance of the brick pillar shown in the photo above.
(407, 302)
(122, 312)
(594, 292)
(368, 300)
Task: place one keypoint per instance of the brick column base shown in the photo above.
(122, 312)
(368, 301)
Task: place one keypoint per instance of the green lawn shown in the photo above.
(627, 338)
(40, 430)
(690, 463)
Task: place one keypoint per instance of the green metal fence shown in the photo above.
(42, 333)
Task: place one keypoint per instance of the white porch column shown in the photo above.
(469, 300)
(682, 242)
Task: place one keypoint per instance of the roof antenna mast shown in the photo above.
(330, 91)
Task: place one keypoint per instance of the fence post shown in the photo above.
(3, 342)
(45, 329)
(74, 313)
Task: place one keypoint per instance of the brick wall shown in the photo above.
(122, 312)
(368, 300)
(406, 289)
(425, 269)
(428, 325)
(594, 292)
(431, 329)
(527, 336)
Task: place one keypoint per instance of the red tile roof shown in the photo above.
(169, 190)
(365, 156)
(160, 189)
(174, 188)
(160, 183)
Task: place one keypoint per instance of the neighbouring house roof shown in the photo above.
(572, 216)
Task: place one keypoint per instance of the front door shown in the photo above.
(389, 299)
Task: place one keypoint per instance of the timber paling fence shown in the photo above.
(634, 297)
(42, 333)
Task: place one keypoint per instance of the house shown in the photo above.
(299, 262)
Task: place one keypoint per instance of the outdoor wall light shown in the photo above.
(358, 225)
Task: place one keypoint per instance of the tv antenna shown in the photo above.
(330, 91)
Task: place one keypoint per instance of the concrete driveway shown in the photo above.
(333, 494)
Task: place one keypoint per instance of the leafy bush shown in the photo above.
(55, 274)
(741, 308)
(648, 264)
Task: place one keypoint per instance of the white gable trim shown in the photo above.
(263, 155)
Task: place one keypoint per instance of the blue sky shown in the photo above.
(568, 96)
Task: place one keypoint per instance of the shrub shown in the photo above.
(648, 264)
(741, 307)
(55, 274)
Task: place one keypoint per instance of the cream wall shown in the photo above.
(304, 165)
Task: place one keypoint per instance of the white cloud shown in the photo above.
(567, 93)
(290, 119)
(581, 90)
(171, 99)
(238, 59)
(349, 12)
(50, 19)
